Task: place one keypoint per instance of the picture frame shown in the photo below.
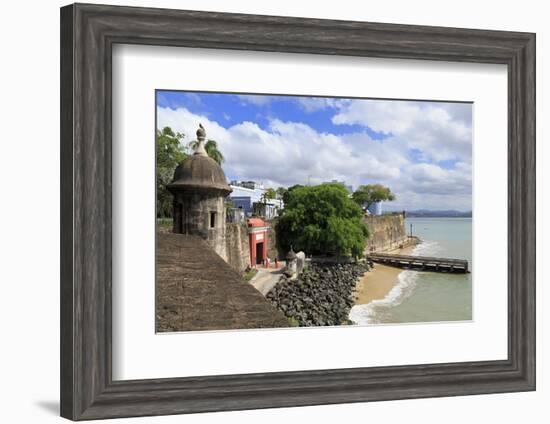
(88, 33)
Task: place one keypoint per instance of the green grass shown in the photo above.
(293, 322)
(165, 222)
(249, 275)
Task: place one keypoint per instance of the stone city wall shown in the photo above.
(237, 246)
(386, 232)
(272, 248)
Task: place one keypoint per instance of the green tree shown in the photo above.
(368, 194)
(322, 219)
(269, 194)
(170, 153)
(211, 148)
(281, 192)
(286, 193)
(260, 208)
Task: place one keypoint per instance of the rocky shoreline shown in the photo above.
(321, 296)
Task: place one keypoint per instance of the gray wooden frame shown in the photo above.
(88, 33)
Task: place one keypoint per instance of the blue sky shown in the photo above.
(232, 109)
(422, 150)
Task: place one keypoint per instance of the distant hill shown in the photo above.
(438, 214)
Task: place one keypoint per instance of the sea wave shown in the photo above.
(372, 312)
(367, 314)
(427, 247)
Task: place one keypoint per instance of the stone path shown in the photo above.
(197, 290)
(267, 278)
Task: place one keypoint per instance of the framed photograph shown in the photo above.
(264, 212)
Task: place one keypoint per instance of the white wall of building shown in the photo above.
(254, 194)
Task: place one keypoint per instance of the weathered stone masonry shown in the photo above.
(197, 290)
(386, 232)
(237, 246)
(200, 188)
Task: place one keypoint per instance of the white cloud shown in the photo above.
(441, 131)
(288, 153)
(256, 99)
(312, 104)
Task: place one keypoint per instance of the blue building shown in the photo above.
(245, 197)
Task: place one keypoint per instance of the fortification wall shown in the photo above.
(272, 248)
(386, 232)
(237, 246)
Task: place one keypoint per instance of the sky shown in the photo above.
(421, 150)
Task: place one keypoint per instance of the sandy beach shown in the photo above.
(378, 282)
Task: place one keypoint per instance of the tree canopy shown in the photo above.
(281, 192)
(322, 219)
(286, 193)
(170, 153)
(269, 194)
(368, 194)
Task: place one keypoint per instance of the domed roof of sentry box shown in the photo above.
(199, 171)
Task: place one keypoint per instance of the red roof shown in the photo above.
(256, 222)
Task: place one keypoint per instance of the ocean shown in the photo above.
(428, 296)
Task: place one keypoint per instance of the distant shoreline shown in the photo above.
(438, 214)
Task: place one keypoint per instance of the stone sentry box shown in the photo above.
(200, 188)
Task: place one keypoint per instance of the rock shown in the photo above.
(321, 295)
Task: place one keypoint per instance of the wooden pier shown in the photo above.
(421, 263)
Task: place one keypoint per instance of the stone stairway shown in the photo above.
(197, 290)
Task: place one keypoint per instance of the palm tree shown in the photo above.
(211, 148)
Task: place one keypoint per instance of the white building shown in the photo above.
(248, 196)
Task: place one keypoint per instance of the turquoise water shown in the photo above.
(428, 296)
